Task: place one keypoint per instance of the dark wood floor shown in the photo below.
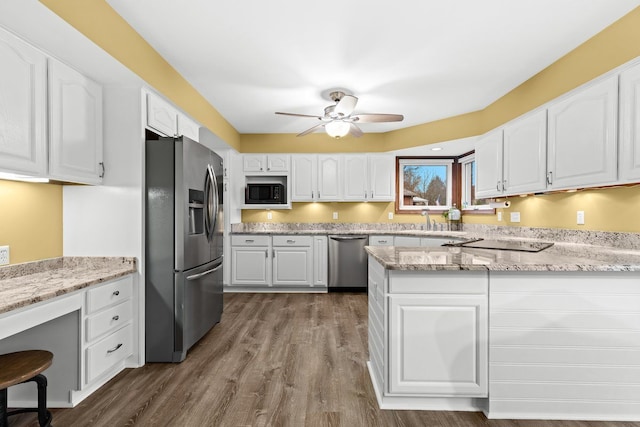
(274, 360)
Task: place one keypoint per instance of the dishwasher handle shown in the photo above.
(340, 238)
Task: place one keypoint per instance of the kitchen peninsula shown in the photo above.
(547, 335)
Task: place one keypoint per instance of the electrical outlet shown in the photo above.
(580, 217)
(269, 215)
(515, 216)
(390, 215)
(4, 255)
(499, 216)
(335, 215)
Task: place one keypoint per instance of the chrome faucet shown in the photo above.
(425, 213)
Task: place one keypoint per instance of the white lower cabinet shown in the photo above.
(438, 345)
(270, 262)
(292, 261)
(251, 264)
(108, 338)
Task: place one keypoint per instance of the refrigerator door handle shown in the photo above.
(204, 273)
(216, 196)
(211, 202)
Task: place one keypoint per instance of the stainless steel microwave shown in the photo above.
(264, 193)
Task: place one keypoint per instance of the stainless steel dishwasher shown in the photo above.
(348, 263)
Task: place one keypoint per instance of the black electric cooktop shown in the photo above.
(505, 245)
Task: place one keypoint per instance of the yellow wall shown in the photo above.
(31, 220)
(101, 24)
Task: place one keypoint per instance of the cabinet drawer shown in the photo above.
(109, 294)
(108, 320)
(292, 240)
(248, 240)
(107, 353)
(380, 240)
(438, 282)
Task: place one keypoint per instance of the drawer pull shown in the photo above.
(114, 348)
(116, 317)
(248, 240)
(290, 241)
(382, 241)
(116, 293)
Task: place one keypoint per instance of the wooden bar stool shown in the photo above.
(21, 367)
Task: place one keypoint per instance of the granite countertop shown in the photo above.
(32, 282)
(560, 257)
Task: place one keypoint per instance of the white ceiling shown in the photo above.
(425, 59)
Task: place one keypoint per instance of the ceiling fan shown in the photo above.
(339, 120)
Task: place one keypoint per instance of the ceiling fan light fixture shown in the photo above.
(337, 128)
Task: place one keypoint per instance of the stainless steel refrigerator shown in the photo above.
(184, 246)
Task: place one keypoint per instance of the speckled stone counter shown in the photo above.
(32, 282)
(342, 228)
(560, 257)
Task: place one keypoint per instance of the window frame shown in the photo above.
(452, 192)
(465, 162)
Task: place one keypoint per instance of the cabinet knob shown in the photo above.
(116, 317)
(116, 293)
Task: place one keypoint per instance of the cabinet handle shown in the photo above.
(116, 293)
(498, 185)
(101, 164)
(266, 253)
(274, 253)
(318, 194)
(372, 194)
(261, 169)
(504, 185)
(225, 187)
(248, 240)
(114, 348)
(312, 194)
(268, 169)
(290, 241)
(382, 241)
(115, 318)
(365, 195)
(549, 178)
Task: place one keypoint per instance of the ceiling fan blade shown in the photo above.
(346, 105)
(310, 130)
(355, 131)
(378, 118)
(299, 115)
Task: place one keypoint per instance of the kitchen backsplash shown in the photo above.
(618, 240)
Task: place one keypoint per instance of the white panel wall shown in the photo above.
(564, 345)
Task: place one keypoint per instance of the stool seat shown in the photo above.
(22, 365)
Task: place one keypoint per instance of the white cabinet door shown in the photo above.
(583, 137)
(438, 345)
(277, 163)
(489, 164)
(293, 266)
(161, 116)
(630, 125)
(382, 177)
(406, 241)
(23, 102)
(329, 177)
(355, 177)
(304, 177)
(254, 162)
(320, 261)
(75, 128)
(525, 154)
(250, 266)
(188, 127)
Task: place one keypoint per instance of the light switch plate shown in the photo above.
(499, 216)
(390, 215)
(4, 255)
(269, 215)
(335, 215)
(515, 216)
(580, 217)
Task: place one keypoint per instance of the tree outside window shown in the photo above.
(424, 184)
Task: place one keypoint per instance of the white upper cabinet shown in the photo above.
(582, 148)
(382, 177)
(630, 125)
(369, 177)
(188, 127)
(356, 174)
(266, 163)
(489, 164)
(164, 118)
(161, 116)
(329, 177)
(525, 154)
(304, 177)
(75, 128)
(23, 101)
